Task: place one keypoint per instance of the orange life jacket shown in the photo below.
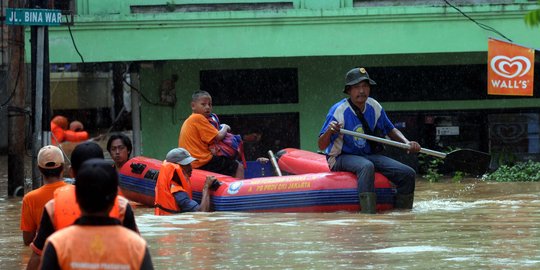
(57, 133)
(75, 136)
(98, 247)
(171, 179)
(64, 210)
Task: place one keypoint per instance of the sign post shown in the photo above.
(40, 18)
(27, 16)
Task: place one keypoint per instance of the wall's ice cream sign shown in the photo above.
(510, 69)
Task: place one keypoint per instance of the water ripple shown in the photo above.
(411, 249)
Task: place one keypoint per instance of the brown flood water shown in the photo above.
(468, 225)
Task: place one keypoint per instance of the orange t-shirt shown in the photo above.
(33, 203)
(195, 136)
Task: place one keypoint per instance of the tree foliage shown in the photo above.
(533, 17)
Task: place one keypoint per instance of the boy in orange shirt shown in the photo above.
(197, 134)
(51, 165)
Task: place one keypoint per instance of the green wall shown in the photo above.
(117, 35)
(320, 80)
(322, 38)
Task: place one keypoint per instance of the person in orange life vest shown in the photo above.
(197, 134)
(173, 186)
(58, 125)
(119, 147)
(61, 133)
(58, 215)
(51, 165)
(96, 240)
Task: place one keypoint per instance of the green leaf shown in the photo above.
(532, 18)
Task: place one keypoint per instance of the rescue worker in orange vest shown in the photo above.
(96, 240)
(51, 165)
(61, 133)
(63, 210)
(173, 186)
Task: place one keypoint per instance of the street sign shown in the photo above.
(40, 17)
(447, 131)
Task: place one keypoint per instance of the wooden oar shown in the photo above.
(274, 163)
(465, 160)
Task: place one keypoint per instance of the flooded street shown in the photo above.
(240, 80)
(468, 225)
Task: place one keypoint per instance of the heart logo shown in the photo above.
(510, 67)
(509, 133)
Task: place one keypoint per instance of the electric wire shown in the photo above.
(137, 90)
(140, 93)
(13, 91)
(123, 77)
(21, 61)
(481, 25)
(73, 39)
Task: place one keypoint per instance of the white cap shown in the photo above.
(50, 157)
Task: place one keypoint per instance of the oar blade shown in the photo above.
(469, 161)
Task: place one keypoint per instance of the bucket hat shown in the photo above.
(355, 76)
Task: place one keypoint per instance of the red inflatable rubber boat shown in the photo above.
(310, 187)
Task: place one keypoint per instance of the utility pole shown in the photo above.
(17, 17)
(16, 110)
(135, 110)
(39, 43)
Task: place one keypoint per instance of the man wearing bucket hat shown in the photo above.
(173, 186)
(364, 114)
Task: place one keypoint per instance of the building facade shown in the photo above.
(275, 67)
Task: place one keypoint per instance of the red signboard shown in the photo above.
(510, 69)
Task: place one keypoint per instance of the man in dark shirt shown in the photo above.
(96, 239)
(81, 153)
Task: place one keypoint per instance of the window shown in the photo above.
(251, 86)
(364, 3)
(263, 132)
(210, 7)
(518, 132)
(433, 83)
